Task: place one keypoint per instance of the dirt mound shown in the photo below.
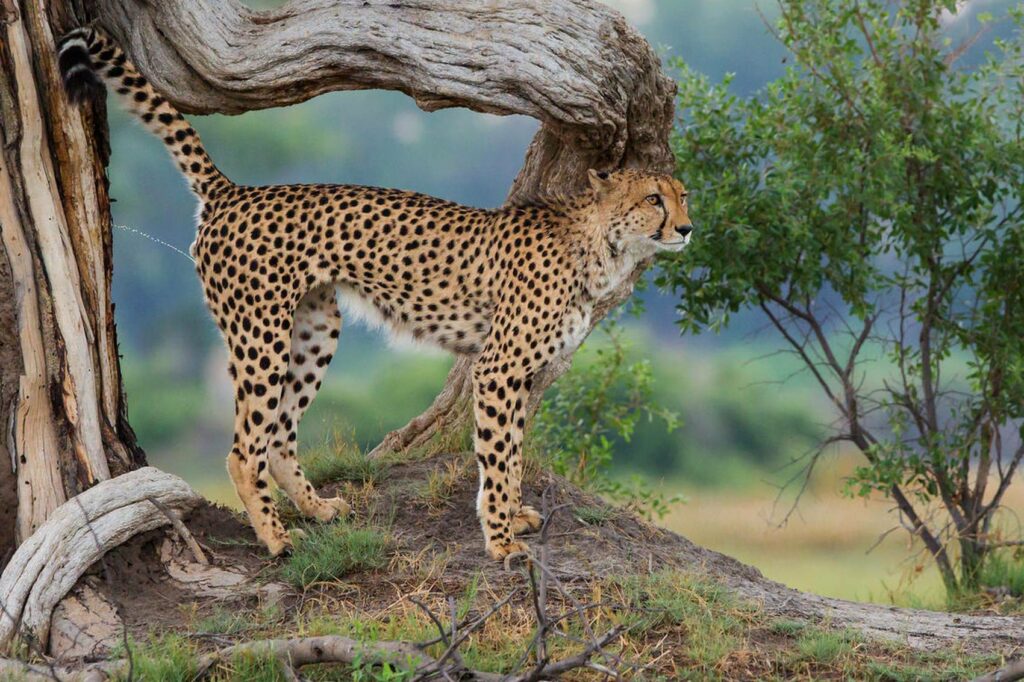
(435, 549)
(587, 536)
(427, 511)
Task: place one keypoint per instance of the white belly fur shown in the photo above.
(356, 307)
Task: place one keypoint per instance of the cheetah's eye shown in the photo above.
(654, 199)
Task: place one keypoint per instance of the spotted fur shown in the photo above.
(515, 286)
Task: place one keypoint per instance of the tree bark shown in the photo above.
(575, 65)
(62, 413)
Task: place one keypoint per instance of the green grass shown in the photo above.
(223, 621)
(174, 658)
(495, 647)
(329, 552)
(905, 666)
(1004, 570)
(788, 627)
(1000, 586)
(252, 667)
(709, 619)
(340, 460)
(594, 516)
(825, 647)
(164, 658)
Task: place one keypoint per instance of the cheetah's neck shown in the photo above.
(607, 265)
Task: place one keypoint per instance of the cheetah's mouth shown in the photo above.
(676, 245)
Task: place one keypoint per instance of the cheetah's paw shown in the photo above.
(527, 520)
(332, 509)
(499, 552)
(280, 546)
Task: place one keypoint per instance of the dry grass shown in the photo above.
(824, 546)
(681, 626)
(442, 483)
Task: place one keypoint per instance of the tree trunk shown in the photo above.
(62, 411)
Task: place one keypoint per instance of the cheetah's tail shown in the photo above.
(89, 58)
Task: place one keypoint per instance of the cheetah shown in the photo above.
(513, 286)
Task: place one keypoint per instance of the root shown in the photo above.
(77, 535)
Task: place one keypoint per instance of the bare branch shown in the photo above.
(182, 530)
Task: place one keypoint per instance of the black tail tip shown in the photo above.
(76, 70)
(83, 85)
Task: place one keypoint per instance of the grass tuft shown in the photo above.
(594, 516)
(1004, 572)
(163, 658)
(708, 620)
(340, 460)
(442, 483)
(788, 627)
(825, 647)
(331, 551)
(254, 667)
(224, 621)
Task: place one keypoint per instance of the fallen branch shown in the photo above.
(47, 565)
(303, 651)
(1014, 670)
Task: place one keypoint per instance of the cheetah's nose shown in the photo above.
(684, 230)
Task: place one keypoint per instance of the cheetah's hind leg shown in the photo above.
(256, 368)
(314, 339)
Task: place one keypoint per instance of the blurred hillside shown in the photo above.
(744, 412)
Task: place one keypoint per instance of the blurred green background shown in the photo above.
(747, 413)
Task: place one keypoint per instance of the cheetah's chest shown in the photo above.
(575, 328)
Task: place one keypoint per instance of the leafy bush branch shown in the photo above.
(595, 406)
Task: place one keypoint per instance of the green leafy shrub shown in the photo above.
(870, 204)
(601, 401)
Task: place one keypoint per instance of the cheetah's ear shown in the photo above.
(600, 181)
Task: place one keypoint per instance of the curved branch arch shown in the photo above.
(575, 65)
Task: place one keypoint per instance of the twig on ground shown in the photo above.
(183, 532)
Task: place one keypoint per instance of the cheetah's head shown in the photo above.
(643, 212)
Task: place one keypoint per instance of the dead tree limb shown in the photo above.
(1012, 671)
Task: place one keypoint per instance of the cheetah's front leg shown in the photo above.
(499, 400)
